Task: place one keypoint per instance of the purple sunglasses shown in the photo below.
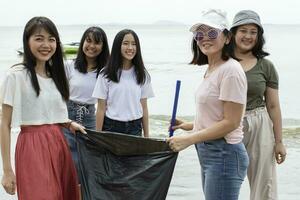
(212, 34)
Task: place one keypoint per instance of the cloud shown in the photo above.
(140, 11)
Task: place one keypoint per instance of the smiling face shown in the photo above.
(42, 45)
(211, 45)
(246, 37)
(91, 48)
(128, 48)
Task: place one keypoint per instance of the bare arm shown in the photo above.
(273, 107)
(179, 124)
(100, 113)
(8, 179)
(232, 117)
(145, 119)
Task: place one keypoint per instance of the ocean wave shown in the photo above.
(159, 125)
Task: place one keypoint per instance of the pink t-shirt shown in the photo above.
(226, 83)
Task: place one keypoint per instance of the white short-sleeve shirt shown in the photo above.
(28, 108)
(123, 98)
(81, 85)
(226, 83)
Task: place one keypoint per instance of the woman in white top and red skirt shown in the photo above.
(33, 97)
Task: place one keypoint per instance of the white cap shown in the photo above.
(213, 18)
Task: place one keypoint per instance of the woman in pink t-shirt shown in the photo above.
(220, 104)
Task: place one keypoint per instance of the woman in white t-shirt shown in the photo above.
(122, 89)
(220, 103)
(33, 97)
(82, 73)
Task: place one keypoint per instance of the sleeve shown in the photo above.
(146, 89)
(101, 88)
(11, 93)
(8, 90)
(68, 68)
(234, 88)
(271, 75)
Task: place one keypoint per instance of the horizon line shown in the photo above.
(161, 23)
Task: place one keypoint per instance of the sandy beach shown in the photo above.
(186, 181)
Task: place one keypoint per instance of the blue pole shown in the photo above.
(171, 131)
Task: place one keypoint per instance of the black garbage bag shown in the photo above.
(115, 166)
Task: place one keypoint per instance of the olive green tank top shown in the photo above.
(261, 76)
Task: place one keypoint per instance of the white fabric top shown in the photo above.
(226, 83)
(81, 85)
(28, 109)
(123, 98)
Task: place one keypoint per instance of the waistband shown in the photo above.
(216, 141)
(75, 103)
(29, 128)
(255, 111)
(122, 122)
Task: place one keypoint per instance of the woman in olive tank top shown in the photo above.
(262, 121)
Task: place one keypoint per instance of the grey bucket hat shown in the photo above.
(246, 17)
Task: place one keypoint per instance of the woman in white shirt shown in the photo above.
(123, 87)
(33, 97)
(82, 74)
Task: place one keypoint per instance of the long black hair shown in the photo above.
(200, 58)
(257, 50)
(54, 66)
(113, 69)
(98, 35)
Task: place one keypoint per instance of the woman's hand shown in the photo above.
(280, 152)
(179, 124)
(178, 143)
(9, 182)
(73, 127)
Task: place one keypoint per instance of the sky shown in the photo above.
(70, 12)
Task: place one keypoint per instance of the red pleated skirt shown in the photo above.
(44, 167)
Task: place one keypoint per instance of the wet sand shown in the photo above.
(186, 181)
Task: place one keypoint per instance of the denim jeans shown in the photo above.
(223, 168)
(133, 127)
(83, 114)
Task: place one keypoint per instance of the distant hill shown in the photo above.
(168, 22)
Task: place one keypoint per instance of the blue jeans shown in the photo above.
(133, 127)
(223, 168)
(83, 114)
